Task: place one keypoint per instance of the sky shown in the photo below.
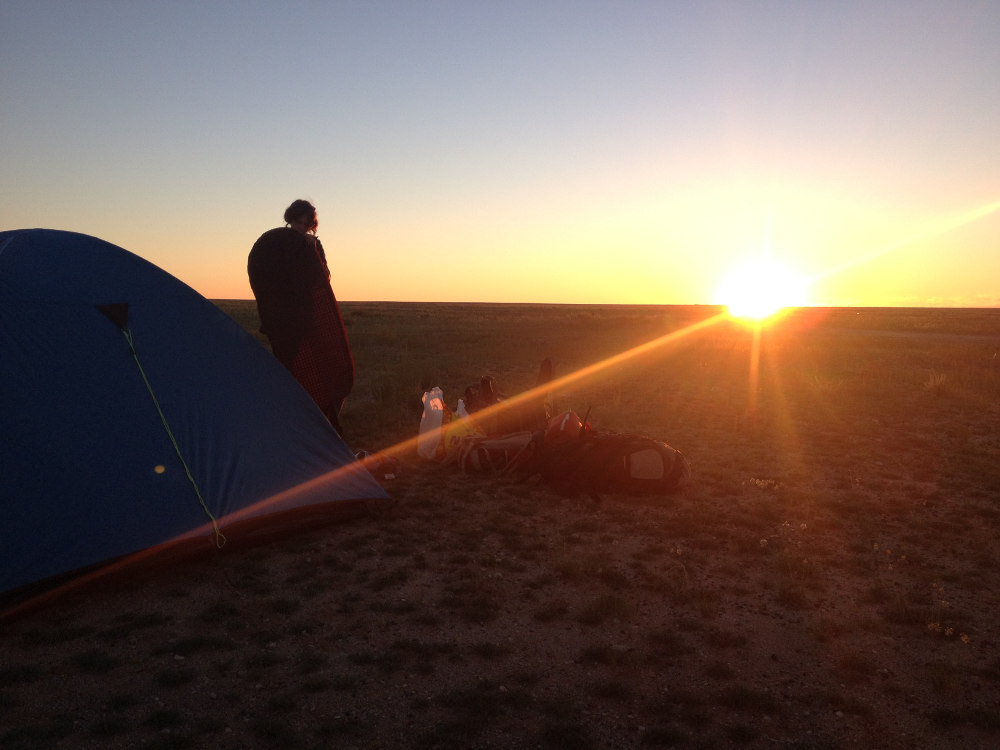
(541, 151)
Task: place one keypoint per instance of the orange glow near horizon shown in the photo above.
(932, 230)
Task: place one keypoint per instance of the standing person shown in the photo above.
(298, 311)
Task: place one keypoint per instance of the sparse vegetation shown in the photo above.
(824, 581)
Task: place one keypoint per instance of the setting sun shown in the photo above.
(760, 288)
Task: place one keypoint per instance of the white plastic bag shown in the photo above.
(429, 443)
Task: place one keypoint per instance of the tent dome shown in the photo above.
(135, 412)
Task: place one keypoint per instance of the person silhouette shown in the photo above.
(298, 310)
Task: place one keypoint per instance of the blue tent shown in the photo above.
(134, 412)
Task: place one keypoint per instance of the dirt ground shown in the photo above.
(826, 579)
(477, 612)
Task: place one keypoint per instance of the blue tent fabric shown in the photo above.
(93, 461)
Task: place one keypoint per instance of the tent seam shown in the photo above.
(220, 538)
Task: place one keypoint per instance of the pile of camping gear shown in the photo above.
(491, 433)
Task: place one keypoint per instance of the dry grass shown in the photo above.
(827, 579)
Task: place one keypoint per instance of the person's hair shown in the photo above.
(301, 209)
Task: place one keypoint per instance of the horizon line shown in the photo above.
(707, 305)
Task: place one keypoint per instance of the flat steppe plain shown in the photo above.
(828, 578)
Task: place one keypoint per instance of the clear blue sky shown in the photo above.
(519, 151)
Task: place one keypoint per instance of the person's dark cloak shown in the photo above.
(300, 316)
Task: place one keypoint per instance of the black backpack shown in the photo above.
(597, 462)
